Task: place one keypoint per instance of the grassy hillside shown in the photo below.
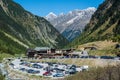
(19, 29)
(103, 48)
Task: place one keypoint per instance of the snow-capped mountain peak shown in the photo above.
(51, 16)
(72, 23)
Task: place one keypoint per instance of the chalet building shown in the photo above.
(42, 50)
(46, 52)
(76, 53)
(38, 52)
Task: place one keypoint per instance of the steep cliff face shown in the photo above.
(19, 27)
(104, 24)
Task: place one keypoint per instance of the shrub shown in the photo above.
(107, 73)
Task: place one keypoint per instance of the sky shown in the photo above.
(44, 7)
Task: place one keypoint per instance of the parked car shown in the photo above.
(58, 75)
(33, 71)
(57, 69)
(25, 64)
(37, 71)
(22, 69)
(72, 71)
(21, 60)
(37, 66)
(90, 56)
(50, 64)
(11, 64)
(84, 57)
(78, 69)
(85, 68)
(55, 65)
(48, 73)
(30, 71)
(73, 67)
(107, 57)
(67, 73)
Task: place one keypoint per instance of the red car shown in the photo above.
(48, 73)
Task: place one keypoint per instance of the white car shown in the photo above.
(78, 69)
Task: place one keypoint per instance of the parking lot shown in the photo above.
(46, 69)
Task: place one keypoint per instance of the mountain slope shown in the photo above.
(72, 23)
(104, 24)
(19, 29)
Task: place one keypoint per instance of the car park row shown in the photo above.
(90, 57)
(46, 69)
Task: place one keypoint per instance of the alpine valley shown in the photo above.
(78, 45)
(20, 29)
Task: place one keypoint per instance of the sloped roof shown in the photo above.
(41, 48)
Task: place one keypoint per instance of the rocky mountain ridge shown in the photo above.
(71, 25)
(104, 24)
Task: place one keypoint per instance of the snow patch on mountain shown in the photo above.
(72, 20)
